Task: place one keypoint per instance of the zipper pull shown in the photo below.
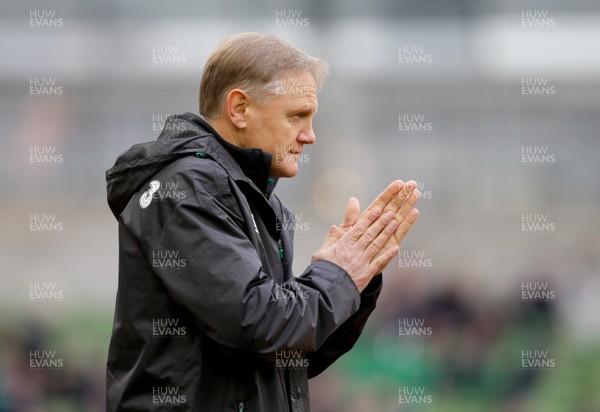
(280, 243)
(241, 407)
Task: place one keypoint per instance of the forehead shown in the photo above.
(296, 89)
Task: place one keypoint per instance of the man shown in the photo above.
(209, 316)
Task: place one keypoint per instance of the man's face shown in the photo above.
(282, 123)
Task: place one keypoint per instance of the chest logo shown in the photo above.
(146, 197)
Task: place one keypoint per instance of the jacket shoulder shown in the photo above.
(197, 174)
(186, 180)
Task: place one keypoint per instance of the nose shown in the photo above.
(307, 135)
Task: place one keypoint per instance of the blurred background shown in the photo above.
(493, 107)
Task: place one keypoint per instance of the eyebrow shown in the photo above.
(306, 108)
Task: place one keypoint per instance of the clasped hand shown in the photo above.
(366, 242)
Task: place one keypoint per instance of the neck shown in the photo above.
(255, 163)
(226, 130)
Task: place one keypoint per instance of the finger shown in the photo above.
(352, 213)
(408, 188)
(380, 240)
(361, 225)
(387, 195)
(405, 225)
(374, 230)
(404, 194)
(331, 238)
(400, 199)
(407, 206)
(379, 262)
(401, 205)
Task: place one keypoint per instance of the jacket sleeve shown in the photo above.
(232, 300)
(344, 338)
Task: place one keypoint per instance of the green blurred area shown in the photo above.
(460, 370)
(78, 338)
(379, 369)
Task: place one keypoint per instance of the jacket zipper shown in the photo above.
(241, 407)
(280, 244)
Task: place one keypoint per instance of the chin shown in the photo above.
(289, 171)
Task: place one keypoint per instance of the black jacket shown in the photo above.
(208, 315)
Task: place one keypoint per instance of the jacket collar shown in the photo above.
(254, 164)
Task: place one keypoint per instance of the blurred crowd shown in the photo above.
(432, 342)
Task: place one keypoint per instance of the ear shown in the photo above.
(236, 106)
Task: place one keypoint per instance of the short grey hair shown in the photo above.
(252, 62)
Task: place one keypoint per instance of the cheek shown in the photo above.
(276, 134)
(282, 132)
(293, 129)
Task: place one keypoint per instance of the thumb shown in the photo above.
(331, 238)
(352, 213)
